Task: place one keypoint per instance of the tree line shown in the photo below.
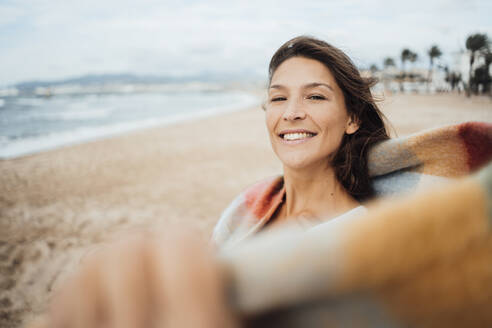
(479, 79)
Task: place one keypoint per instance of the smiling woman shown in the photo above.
(322, 119)
(300, 111)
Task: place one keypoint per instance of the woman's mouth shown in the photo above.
(296, 137)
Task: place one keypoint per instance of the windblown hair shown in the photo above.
(350, 160)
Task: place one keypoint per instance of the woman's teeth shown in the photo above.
(297, 136)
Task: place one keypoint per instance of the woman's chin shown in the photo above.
(298, 165)
(301, 160)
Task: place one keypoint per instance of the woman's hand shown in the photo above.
(164, 280)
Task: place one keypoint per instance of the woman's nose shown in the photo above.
(294, 112)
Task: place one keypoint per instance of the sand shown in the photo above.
(56, 205)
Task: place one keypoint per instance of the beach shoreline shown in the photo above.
(41, 124)
(57, 204)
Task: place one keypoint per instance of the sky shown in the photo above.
(50, 40)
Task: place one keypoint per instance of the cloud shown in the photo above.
(49, 40)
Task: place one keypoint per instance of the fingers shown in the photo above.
(172, 281)
(187, 284)
(124, 286)
(109, 290)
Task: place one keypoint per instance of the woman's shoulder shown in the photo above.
(249, 210)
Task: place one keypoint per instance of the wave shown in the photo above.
(30, 101)
(71, 115)
(12, 148)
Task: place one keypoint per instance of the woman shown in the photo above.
(322, 119)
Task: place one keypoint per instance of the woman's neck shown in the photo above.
(315, 192)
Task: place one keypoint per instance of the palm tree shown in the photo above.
(433, 52)
(405, 55)
(389, 62)
(373, 68)
(481, 75)
(488, 61)
(474, 43)
(413, 57)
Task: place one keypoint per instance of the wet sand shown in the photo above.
(55, 205)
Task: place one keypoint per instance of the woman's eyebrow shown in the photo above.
(277, 86)
(306, 86)
(317, 84)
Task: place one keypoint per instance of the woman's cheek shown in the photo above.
(271, 121)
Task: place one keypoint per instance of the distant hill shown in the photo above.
(128, 78)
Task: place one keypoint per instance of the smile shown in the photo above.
(296, 136)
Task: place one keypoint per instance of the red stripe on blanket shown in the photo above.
(261, 197)
(477, 137)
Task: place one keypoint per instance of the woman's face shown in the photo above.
(306, 115)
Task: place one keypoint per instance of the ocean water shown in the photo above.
(32, 125)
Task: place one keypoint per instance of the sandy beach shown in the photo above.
(56, 205)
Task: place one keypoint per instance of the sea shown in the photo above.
(30, 125)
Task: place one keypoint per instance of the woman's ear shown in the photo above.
(352, 125)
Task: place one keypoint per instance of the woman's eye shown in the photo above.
(278, 99)
(317, 97)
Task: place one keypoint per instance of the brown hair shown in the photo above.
(350, 161)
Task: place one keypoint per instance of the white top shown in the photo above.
(310, 223)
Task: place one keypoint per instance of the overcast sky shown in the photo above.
(48, 39)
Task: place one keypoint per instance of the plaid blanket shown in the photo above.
(414, 259)
(397, 166)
